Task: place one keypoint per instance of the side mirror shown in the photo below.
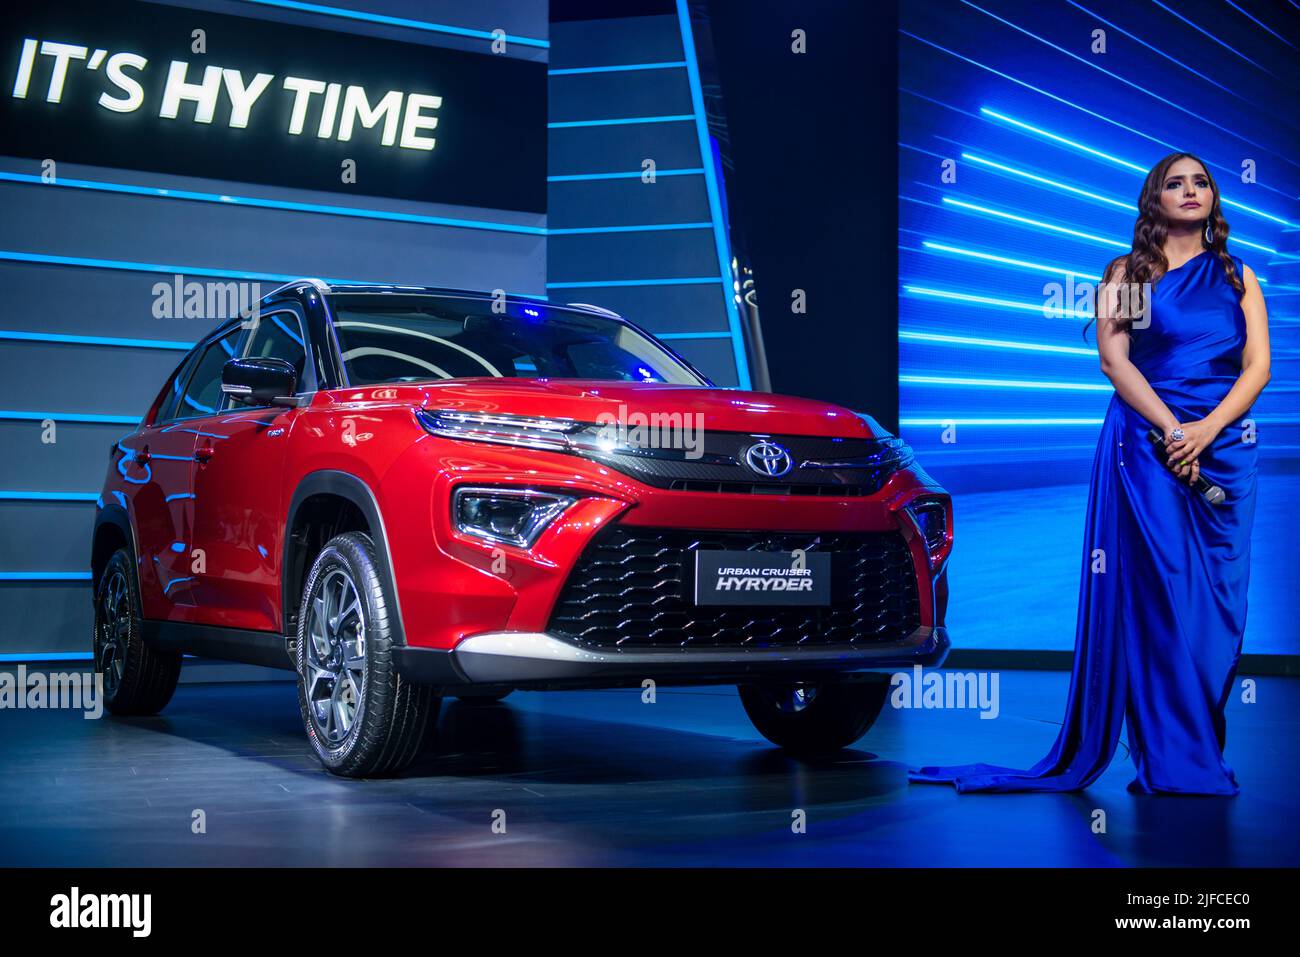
(255, 381)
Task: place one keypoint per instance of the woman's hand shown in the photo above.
(1197, 437)
(1188, 473)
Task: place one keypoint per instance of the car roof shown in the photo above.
(394, 289)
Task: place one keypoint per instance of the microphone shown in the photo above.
(1211, 493)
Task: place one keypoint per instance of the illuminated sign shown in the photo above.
(145, 86)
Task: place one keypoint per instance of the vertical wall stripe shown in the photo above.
(715, 203)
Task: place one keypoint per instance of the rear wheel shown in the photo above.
(362, 718)
(814, 717)
(138, 679)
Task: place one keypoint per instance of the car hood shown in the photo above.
(726, 410)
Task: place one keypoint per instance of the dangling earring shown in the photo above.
(1209, 234)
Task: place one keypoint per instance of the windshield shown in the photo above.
(397, 338)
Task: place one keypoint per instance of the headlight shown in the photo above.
(931, 519)
(893, 452)
(528, 431)
(507, 516)
(531, 432)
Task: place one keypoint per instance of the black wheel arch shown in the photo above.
(339, 485)
(112, 531)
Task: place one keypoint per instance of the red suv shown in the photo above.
(403, 493)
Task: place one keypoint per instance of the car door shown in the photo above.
(155, 469)
(238, 488)
(170, 553)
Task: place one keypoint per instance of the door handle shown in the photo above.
(201, 455)
(142, 456)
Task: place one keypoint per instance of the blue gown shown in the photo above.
(1159, 631)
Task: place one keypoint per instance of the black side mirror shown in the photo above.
(254, 381)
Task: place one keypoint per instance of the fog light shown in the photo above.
(506, 515)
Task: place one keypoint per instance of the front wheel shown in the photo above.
(362, 718)
(810, 718)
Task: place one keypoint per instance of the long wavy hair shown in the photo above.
(1146, 262)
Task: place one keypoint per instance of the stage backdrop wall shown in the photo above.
(79, 256)
(635, 203)
(1049, 140)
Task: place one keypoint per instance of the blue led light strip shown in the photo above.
(97, 419)
(401, 22)
(620, 68)
(1045, 311)
(1060, 99)
(1164, 100)
(158, 192)
(44, 576)
(21, 336)
(634, 174)
(621, 121)
(649, 228)
(1199, 29)
(126, 266)
(9, 496)
(715, 201)
(1075, 144)
(1006, 260)
(951, 340)
(191, 270)
(1005, 383)
(1129, 207)
(684, 281)
(944, 423)
(1261, 24)
(1139, 40)
(1047, 182)
(1037, 224)
(1038, 90)
(256, 202)
(47, 656)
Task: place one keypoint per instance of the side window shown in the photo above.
(202, 396)
(278, 335)
(167, 410)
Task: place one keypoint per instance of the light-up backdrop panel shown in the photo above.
(1051, 143)
(79, 258)
(624, 91)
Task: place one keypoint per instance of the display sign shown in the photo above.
(725, 577)
(147, 86)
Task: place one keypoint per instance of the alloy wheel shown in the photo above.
(114, 631)
(335, 656)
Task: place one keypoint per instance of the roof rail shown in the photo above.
(319, 285)
(600, 309)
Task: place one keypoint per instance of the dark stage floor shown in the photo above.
(598, 778)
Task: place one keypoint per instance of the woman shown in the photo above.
(1162, 604)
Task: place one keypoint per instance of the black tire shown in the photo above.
(831, 714)
(491, 697)
(138, 679)
(380, 727)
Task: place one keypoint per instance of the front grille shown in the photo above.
(632, 588)
(822, 466)
(754, 488)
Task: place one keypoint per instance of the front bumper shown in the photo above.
(538, 660)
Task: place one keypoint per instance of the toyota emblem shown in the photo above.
(769, 459)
